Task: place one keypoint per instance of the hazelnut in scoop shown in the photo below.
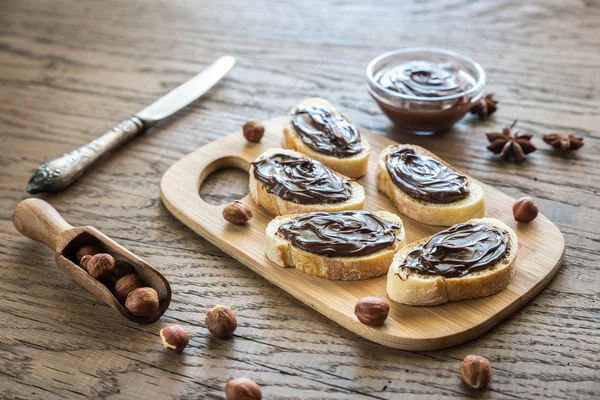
(142, 302)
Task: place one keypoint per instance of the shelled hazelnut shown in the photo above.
(221, 321)
(476, 371)
(174, 338)
(126, 285)
(242, 389)
(237, 213)
(142, 302)
(123, 268)
(253, 131)
(525, 210)
(100, 265)
(372, 310)
(86, 251)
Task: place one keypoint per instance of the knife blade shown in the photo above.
(57, 174)
(187, 92)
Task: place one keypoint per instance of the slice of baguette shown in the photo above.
(427, 290)
(283, 253)
(278, 206)
(353, 167)
(473, 206)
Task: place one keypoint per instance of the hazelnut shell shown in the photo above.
(253, 131)
(174, 338)
(237, 213)
(372, 310)
(86, 251)
(126, 285)
(242, 389)
(476, 371)
(84, 261)
(525, 210)
(123, 268)
(142, 302)
(221, 321)
(100, 266)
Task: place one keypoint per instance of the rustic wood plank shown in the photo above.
(70, 70)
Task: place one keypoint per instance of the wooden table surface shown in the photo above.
(69, 70)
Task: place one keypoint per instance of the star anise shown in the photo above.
(510, 143)
(485, 107)
(563, 141)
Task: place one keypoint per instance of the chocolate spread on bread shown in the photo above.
(340, 234)
(425, 178)
(458, 251)
(326, 132)
(301, 180)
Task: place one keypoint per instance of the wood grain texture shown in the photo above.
(70, 70)
(541, 249)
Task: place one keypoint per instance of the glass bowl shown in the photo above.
(419, 114)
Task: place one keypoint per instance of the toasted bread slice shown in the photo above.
(278, 206)
(354, 166)
(428, 290)
(473, 206)
(283, 253)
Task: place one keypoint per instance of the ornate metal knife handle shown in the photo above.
(59, 173)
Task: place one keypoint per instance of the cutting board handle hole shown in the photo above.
(224, 180)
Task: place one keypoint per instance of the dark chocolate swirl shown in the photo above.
(425, 178)
(326, 132)
(458, 250)
(340, 234)
(424, 79)
(301, 180)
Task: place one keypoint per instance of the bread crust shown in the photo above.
(424, 290)
(278, 206)
(283, 253)
(473, 206)
(353, 167)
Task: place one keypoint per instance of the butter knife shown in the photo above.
(57, 174)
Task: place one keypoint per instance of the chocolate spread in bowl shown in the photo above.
(423, 96)
(425, 79)
(340, 234)
(301, 180)
(425, 178)
(326, 132)
(458, 251)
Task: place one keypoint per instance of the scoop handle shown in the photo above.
(39, 221)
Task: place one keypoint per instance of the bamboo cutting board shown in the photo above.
(541, 249)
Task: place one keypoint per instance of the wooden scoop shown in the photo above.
(39, 221)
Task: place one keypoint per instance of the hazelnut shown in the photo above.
(123, 268)
(372, 311)
(237, 213)
(476, 371)
(242, 389)
(174, 338)
(525, 209)
(109, 282)
(126, 285)
(86, 251)
(100, 265)
(254, 131)
(142, 302)
(84, 260)
(221, 321)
